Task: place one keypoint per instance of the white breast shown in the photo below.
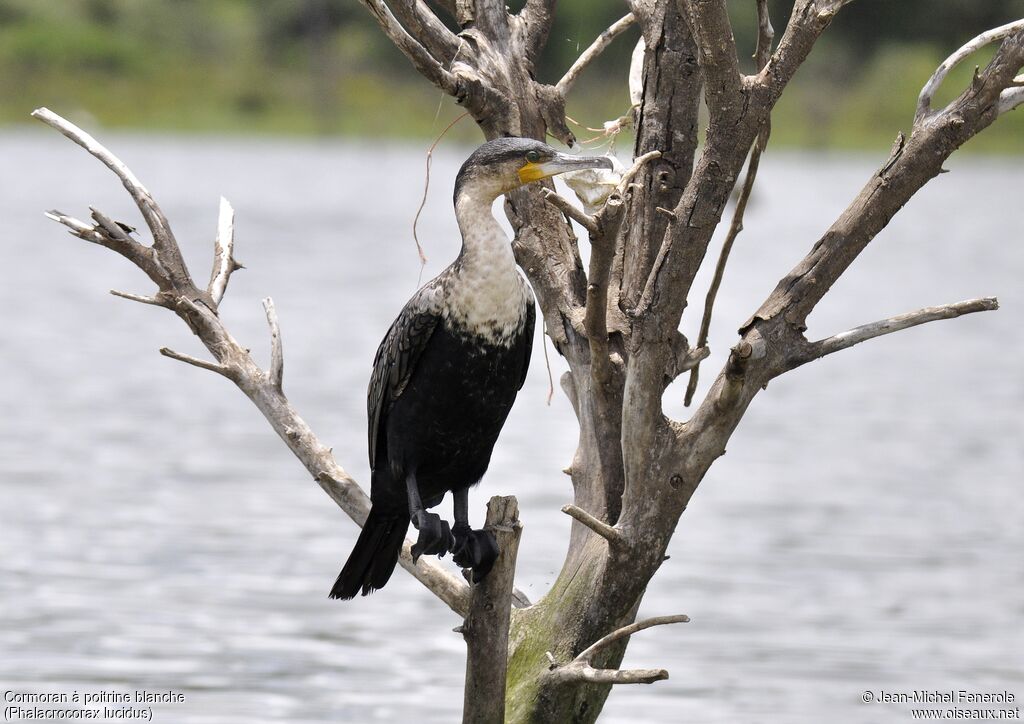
(486, 296)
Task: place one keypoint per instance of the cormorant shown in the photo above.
(446, 375)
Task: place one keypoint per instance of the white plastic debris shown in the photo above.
(593, 186)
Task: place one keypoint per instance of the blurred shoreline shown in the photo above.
(298, 68)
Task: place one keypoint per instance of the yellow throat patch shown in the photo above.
(532, 172)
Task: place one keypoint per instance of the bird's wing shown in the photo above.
(397, 355)
(531, 319)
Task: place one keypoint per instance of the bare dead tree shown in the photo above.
(616, 324)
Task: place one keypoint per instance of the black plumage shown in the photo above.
(445, 378)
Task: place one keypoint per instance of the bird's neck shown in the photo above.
(483, 239)
(488, 299)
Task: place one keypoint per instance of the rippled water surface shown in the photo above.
(864, 531)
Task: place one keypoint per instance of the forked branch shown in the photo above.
(1007, 97)
(582, 669)
(162, 262)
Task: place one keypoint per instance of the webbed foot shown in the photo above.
(475, 549)
(435, 537)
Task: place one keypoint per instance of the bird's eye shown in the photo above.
(533, 156)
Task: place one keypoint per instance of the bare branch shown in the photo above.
(632, 171)
(163, 239)
(924, 101)
(761, 55)
(1010, 99)
(179, 293)
(110, 227)
(807, 22)
(596, 48)
(608, 676)
(608, 532)
(913, 162)
(647, 296)
(422, 60)
(847, 339)
(423, 25)
(223, 252)
(712, 31)
(117, 241)
(276, 352)
(580, 668)
(195, 361)
(588, 654)
(78, 228)
(156, 301)
(569, 209)
(487, 623)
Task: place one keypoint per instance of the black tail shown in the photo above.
(371, 562)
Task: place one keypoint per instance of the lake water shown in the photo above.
(864, 531)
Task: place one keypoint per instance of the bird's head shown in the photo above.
(504, 164)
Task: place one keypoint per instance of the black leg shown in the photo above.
(474, 549)
(461, 504)
(435, 537)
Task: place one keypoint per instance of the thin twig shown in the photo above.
(276, 352)
(78, 227)
(847, 339)
(566, 207)
(195, 361)
(596, 48)
(223, 252)
(764, 49)
(581, 668)
(924, 100)
(608, 532)
(723, 258)
(588, 653)
(647, 296)
(138, 298)
(633, 170)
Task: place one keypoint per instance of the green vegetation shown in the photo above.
(322, 67)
